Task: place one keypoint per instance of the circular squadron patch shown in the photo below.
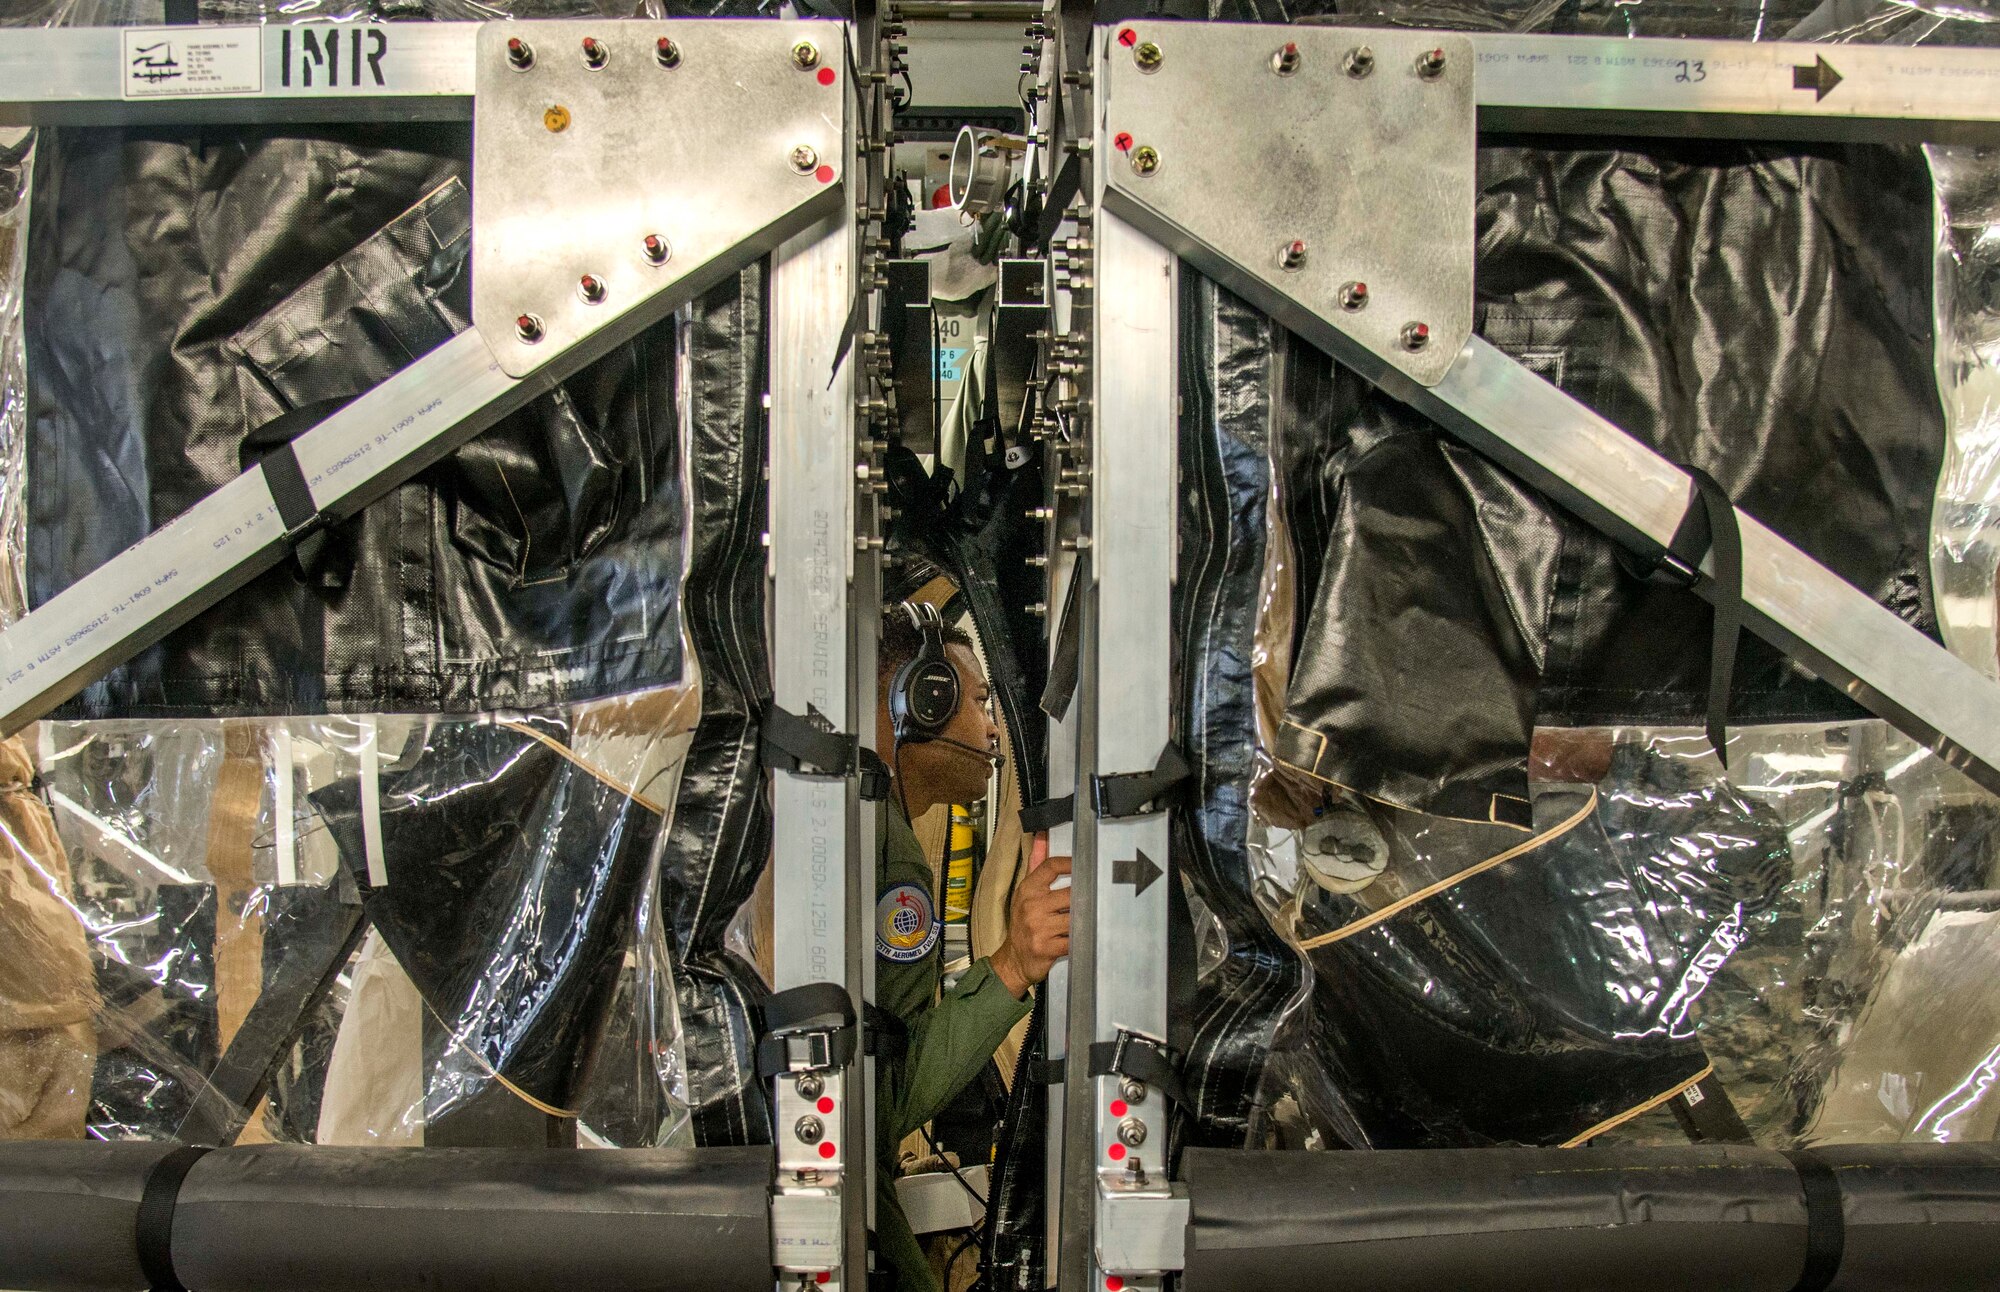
(906, 926)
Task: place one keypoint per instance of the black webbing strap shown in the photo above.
(807, 1029)
(1037, 818)
(1046, 1072)
(1708, 527)
(270, 447)
(1062, 191)
(287, 482)
(1066, 658)
(1127, 794)
(811, 746)
(1826, 1223)
(1142, 1059)
(1707, 1115)
(155, 1220)
(886, 1037)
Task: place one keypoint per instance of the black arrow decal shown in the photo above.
(1820, 78)
(1139, 871)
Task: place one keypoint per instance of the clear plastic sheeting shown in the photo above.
(1965, 554)
(343, 931)
(1815, 928)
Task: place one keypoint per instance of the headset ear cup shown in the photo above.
(933, 695)
(924, 694)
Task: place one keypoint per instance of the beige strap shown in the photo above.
(1626, 1116)
(1373, 918)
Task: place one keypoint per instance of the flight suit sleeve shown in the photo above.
(948, 1045)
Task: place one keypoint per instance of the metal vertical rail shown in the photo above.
(1117, 1136)
(816, 856)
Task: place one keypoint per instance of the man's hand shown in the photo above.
(1037, 925)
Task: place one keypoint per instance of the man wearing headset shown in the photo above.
(935, 728)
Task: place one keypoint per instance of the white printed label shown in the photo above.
(180, 62)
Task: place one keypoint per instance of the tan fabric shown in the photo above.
(48, 989)
(45, 1081)
(232, 834)
(1282, 796)
(1006, 853)
(46, 979)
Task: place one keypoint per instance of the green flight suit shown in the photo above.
(950, 1040)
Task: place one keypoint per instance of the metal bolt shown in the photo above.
(1292, 255)
(595, 55)
(805, 55)
(556, 118)
(1039, 561)
(809, 1129)
(520, 54)
(1286, 60)
(1131, 1132)
(1132, 1090)
(1039, 610)
(811, 1085)
(657, 250)
(1430, 64)
(591, 288)
(1416, 336)
(1148, 56)
(1359, 61)
(1354, 296)
(1041, 513)
(668, 53)
(804, 158)
(1145, 159)
(529, 328)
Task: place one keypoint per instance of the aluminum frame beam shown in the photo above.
(1738, 89)
(1592, 84)
(1124, 704)
(314, 71)
(818, 883)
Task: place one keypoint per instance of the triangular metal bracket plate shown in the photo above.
(591, 138)
(1318, 172)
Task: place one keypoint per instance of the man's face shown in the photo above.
(953, 774)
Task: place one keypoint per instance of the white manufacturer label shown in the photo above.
(184, 62)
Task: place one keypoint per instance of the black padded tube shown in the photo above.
(1706, 1218)
(442, 1220)
(1692, 1219)
(69, 1214)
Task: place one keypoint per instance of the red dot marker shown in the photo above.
(825, 1103)
(1122, 141)
(1118, 1108)
(826, 76)
(827, 1150)
(1112, 1283)
(1128, 38)
(824, 174)
(824, 1276)
(1117, 1152)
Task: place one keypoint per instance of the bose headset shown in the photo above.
(924, 694)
